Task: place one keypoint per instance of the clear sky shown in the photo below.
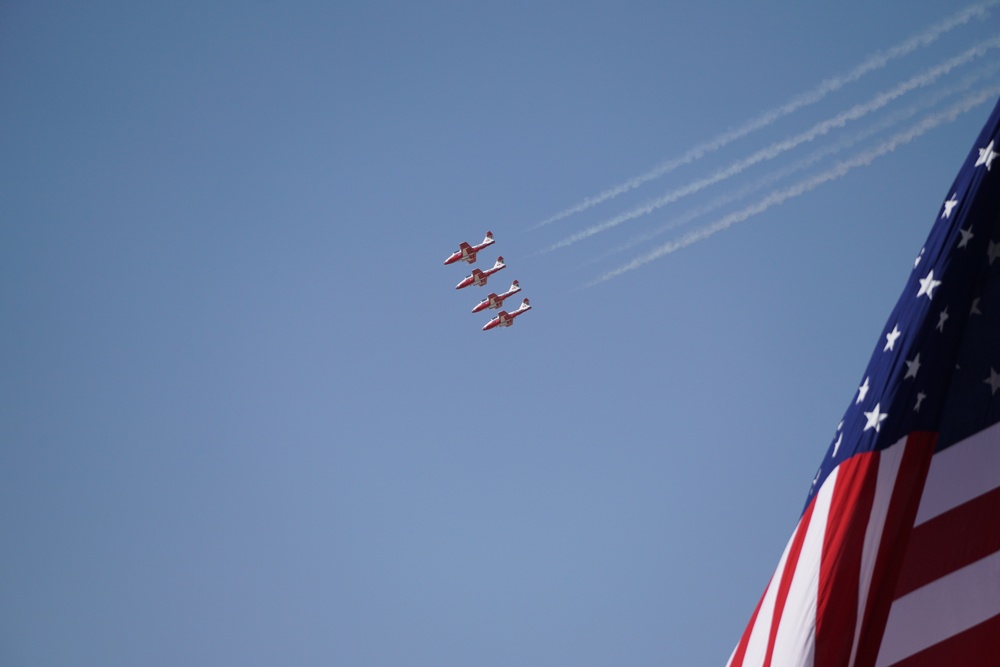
(245, 417)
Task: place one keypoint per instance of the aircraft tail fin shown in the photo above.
(489, 237)
(525, 305)
(499, 263)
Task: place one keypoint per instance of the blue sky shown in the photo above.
(247, 419)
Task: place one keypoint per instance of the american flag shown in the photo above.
(895, 561)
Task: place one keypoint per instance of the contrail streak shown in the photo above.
(776, 149)
(875, 61)
(781, 196)
(930, 100)
(730, 197)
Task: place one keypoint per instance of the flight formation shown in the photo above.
(478, 277)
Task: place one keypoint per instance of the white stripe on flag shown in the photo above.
(941, 609)
(795, 642)
(757, 645)
(798, 617)
(960, 473)
(888, 469)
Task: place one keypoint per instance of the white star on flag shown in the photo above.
(927, 286)
(875, 418)
(948, 206)
(993, 251)
(993, 381)
(986, 156)
(890, 338)
(966, 237)
(862, 392)
(942, 318)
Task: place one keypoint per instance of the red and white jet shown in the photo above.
(467, 253)
(495, 300)
(478, 277)
(505, 319)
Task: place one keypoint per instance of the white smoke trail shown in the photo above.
(875, 61)
(780, 196)
(930, 100)
(774, 150)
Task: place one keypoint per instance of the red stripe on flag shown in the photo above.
(840, 564)
(919, 448)
(979, 646)
(785, 583)
(951, 541)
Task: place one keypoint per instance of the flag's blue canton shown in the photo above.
(936, 366)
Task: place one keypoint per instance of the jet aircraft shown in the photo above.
(495, 300)
(478, 277)
(467, 253)
(505, 319)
